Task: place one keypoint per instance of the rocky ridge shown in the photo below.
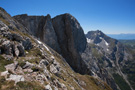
(110, 55)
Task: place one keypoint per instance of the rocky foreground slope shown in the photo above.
(26, 63)
(40, 52)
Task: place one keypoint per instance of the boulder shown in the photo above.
(28, 65)
(16, 78)
(6, 47)
(11, 67)
(5, 73)
(21, 50)
(27, 44)
(48, 87)
(53, 69)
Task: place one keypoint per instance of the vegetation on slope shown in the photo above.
(128, 43)
(129, 69)
(121, 82)
(4, 62)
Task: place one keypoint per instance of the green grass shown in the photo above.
(4, 62)
(29, 86)
(128, 43)
(6, 85)
(129, 69)
(121, 82)
(4, 21)
(9, 85)
(21, 63)
(95, 53)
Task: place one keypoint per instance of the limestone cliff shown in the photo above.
(41, 27)
(63, 33)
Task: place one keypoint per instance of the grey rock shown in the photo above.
(11, 22)
(71, 40)
(11, 67)
(27, 44)
(44, 62)
(53, 69)
(16, 50)
(28, 65)
(5, 73)
(41, 27)
(3, 27)
(6, 47)
(62, 33)
(16, 78)
(48, 87)
(21, 50)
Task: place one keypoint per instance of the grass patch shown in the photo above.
(6, 85)
(35, 52)
(9, 85)
(93, 83)
(4, 62)
(4, 21)
(121, 82)
(29, 86)
(129, 69)
(21, 63)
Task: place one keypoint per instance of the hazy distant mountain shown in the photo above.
(122, 36)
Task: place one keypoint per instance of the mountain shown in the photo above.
(113, 56)
(44, 53)
(122, 36)
(28, 59)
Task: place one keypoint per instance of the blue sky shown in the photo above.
(109, 16)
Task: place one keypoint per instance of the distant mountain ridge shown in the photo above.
(122, 36)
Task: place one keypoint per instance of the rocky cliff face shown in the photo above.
(28, 63)
(41, 27)
(71, 39)
(62, 33)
